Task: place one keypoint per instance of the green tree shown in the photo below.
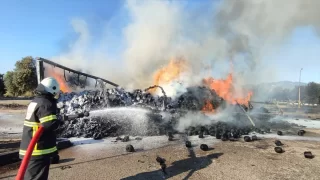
(23, 79)
(312, 92)
(10, 85)
(2, 86)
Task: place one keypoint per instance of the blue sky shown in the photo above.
(302, 50)
(42, 28)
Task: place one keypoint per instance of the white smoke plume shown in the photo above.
(244, 31)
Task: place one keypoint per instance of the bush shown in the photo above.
(23, 79)
(28, 94)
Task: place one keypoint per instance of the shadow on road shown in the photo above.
(191, 164)
(66, 160)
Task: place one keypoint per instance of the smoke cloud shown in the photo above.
(243, 32)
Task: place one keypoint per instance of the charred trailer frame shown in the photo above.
(40, 71)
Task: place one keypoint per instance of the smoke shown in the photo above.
(243, 32)
(200, 119)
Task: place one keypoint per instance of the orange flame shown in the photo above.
(63, 84)
(224, 89)
(170, 72)
(208, 107)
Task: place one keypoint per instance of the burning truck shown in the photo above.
(208, 108)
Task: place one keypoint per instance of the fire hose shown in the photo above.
(34, 140)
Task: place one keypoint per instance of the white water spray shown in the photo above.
(137, 117)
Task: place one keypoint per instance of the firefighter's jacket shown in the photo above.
(41, 112)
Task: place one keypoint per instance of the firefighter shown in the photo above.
(41, 112)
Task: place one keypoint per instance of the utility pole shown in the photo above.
(299, 87)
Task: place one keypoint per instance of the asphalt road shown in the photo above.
(225, 160)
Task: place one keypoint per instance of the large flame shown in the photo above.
(224, 89)
(208, 107)
(171, 72)
(63, 84)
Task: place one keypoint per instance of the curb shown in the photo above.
(9, 157)
(13, 156)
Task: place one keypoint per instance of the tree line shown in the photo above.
(308, 94)
(21, 81)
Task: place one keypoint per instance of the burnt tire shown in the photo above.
(278, 150)
(126, 139)
(278, 143)
(204, 147)
(301, 132)
(308, 154)
(188, 144)
(201, 135)
(129, 148)
(254, 138)
(279, 133)
(247, 138)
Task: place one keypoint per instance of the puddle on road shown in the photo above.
(11, 125)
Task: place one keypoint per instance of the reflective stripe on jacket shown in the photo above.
(41, 112)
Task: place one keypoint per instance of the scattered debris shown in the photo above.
(97, 136)
(188, 144)
(278, 143)
(254, 138)
(204, 147)
(129, 148)
(218, 136)
(160, 160)
(308, 154)
(126, 139)
(162, 163)
(224, 138)
(247, 138)
(301, 132)
(65, 167)
(170, 136)
(201, 134)
(278, 150)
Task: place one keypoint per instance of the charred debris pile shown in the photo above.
(162, 113)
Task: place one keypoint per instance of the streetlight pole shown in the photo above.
(299, 87)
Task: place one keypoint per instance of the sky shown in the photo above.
(42, 29)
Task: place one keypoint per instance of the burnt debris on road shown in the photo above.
(162, 114)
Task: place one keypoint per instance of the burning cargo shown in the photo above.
(196, 110)
(116, 112)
